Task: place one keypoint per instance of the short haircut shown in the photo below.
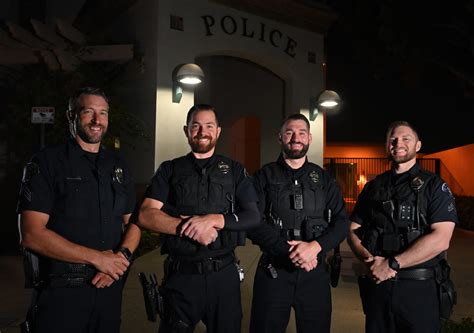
(74, 102)
(397, 124)
(295, 116)
(201, 107)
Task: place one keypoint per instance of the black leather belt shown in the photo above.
(68, 282)
(204, 266)
(68, 275)
(415, 274)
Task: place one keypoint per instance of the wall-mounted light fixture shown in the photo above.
(189, 74)
(328, 100)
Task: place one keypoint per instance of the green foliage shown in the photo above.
(465, 326)
(149, 241)
(465, 209)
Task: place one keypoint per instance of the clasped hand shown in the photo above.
(202, 228)
(304, 254)
(378, 268)
(110, 266)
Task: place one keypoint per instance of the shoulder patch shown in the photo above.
(29, 171)
(445, 188)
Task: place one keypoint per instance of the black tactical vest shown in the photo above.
(200, 191)
(397, 215)
(296, 206)
(197, 191)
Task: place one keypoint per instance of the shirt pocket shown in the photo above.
(74, 198)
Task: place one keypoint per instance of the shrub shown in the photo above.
(465, 326)
(148, 242)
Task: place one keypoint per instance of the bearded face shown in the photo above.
(202, 144)
(402, 145)
(90, 132)
(91, 122)
(295, 150)
(203, 132)
(295, 139)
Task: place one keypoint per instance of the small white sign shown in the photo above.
(42, 114)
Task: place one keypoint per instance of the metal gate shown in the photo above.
(352, 174)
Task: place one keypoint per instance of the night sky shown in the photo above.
(402, 60)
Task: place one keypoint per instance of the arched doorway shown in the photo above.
(245, 137)
(250, 101)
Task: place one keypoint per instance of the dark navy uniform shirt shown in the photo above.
(440, 201)
(85, 194)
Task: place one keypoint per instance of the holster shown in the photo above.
(447, 294)
(34, 281)
(335, 262)
(153, 298)
(31, 269)
(157, 301)
(28, 326)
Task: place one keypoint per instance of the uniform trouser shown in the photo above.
(307, 292)
(212, 297)
(407, 306)
(80, 309)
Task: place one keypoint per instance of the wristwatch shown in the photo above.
(126, 253)
(393, 264)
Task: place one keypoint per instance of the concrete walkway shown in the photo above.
(347, 312)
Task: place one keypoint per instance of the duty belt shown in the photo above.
(291, 234)
(284, 262)
(70, 275)
(419, 274)
(204, 266)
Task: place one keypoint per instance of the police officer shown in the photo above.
(201, 203)
(75, 200)
(402, 224)
(304, 217)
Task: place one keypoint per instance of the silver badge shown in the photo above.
(314, 176)
(117, 176)
(223, 167)
(417, 183)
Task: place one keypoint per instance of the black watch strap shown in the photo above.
(126, 253)
(393, 264)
